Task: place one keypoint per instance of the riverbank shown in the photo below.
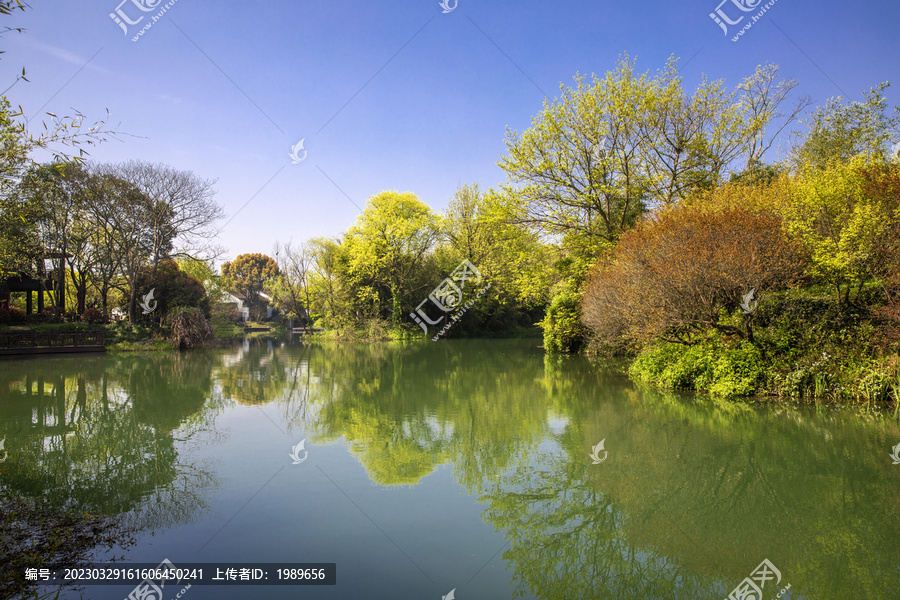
(806, 347)
(125, 337)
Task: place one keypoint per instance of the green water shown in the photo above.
(454, 465)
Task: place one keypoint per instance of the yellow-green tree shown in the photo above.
(480, 226)
(605, 150)
(387, 247)
(841, 222)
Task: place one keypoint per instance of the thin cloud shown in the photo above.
(63, 55)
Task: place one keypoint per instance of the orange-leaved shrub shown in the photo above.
(671, 276)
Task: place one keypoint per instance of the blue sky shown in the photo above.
(389, 95)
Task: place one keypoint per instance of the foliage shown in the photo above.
(672, 277)
(563, 331)
(123, 333)
(839, 132)
(291, 291)
(92, 315)
(189, 326)
(597, 157)
(708, 366)
(202, 271)
(330, 287)
(172, 288)
(385, 251)
(608, 150)
(247, 275)
(841, 213)
(886, 314)
(482, 228)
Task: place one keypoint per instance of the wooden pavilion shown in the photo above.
(52, 281)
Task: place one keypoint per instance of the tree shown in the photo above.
(887, 313)
(577, 169)
(124, 213)
(328, 281)
(838, 131)
(480, 227)
(387, 246)
(598, 157)
(248, 274)
(291, 290)
(761, 96)
(182, 208)
(111, 239)
(18, 244)
(173, 288)
(58, 193)
(841, 216)
(671, 277)
(202, 271)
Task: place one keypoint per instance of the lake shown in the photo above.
(471, 466)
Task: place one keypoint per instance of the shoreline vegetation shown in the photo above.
(639, 220)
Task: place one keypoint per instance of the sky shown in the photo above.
(389, 95)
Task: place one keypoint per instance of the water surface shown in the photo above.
(454, 465)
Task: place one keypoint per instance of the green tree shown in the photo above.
(838, 131)
(247, 274)
(329, 287)
(387, 246)
(602, 153)
(202, 271)
(481, 227)
(59, 195)
(836, 211)
(608, 150)
(173, 288)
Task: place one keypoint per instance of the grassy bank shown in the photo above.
(806, 347)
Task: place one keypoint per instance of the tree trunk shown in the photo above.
(395, 303)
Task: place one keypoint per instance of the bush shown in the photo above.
(172, 288)
(189, 326)
(737, 372)
(672, 276)
(4, 315)
(16, 315)
(92, 315)
(563, 331)
(707, 366)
